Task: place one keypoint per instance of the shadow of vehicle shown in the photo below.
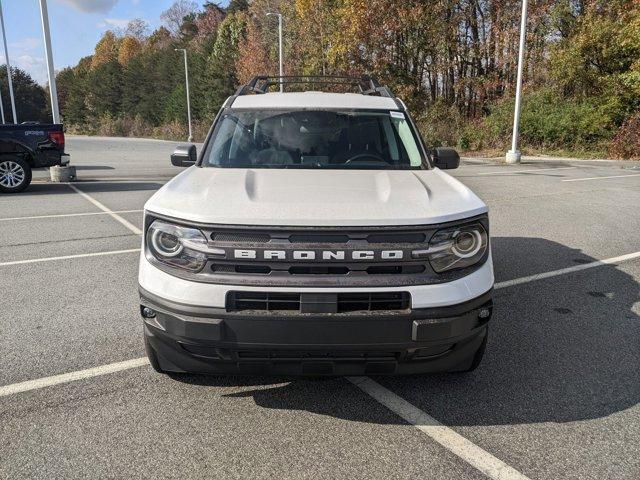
(560, 350)
(94, 167)
(94, 186)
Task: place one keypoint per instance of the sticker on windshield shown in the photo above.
(397, 115)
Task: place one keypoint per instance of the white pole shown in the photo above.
(186, 76)
(53, 91)
(279, 51)
(2, 109)
(280, 55)
(6, 57)
(513, 155)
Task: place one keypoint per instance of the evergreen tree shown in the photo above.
(30, 98)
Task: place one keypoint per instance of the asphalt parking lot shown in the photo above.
(556, 396)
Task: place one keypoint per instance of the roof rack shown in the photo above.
(365, 84)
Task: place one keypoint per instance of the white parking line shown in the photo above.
(564, 271)
(72, 376)
(105, 180)
(111, 213)
(506, 172)
(67, 257)
(599, 178)
(60, 215)
(468, 451)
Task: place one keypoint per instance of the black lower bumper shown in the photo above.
(212, 340)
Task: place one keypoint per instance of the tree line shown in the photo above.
(452, 61)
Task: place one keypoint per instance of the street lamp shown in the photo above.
(186, 76)
(513, 155)
(279, 15)
(6, 57)
(1, 110)
(53, 92)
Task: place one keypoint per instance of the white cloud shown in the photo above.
(92, 6)
(27, 54)
(35, 65)
(26, 44)
(113, 22)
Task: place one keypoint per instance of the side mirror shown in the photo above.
(446, 158)
(184, 156)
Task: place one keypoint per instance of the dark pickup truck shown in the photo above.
(27, 146)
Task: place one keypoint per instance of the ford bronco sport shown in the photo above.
(315, 234)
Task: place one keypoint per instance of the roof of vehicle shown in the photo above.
(314, 100)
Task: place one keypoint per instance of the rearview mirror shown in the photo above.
(184, 156)
(446, 158)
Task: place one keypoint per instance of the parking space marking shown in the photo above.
(67, 257)
(564, 271)
(61, 215)
(106, 180)
(108, 211)
(600, 178)
(468, 451)
(72, 376)
(524, 171)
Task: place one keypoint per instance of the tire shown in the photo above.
(473, 362)
(15, 175)
(152, 356)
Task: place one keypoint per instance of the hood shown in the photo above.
(315, 197)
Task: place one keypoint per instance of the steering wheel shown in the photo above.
(360, 158)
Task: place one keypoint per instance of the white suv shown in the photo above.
(315, 235)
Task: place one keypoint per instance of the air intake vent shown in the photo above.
(239, 237)
(264, 301)
(341, 303)
(371, 302)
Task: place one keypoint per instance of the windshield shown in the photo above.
(313, 139)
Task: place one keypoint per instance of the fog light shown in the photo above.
(484, 313)
(148, 312)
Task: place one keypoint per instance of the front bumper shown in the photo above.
(212, 340)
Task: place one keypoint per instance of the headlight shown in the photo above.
(455, 248)
(177, 246)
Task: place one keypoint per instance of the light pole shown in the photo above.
(1, 109)
(6, 57)
(186, 76)
(53, 91)
(280, 60)
(513, 155)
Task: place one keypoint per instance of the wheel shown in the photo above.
(15, 175)
(151, 355)
(473, 362)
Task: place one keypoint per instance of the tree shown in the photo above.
(105, 90)
(130, 47)
(207, 24)
(138, 29)
(106, 49)
(221, 64)
(30, 98)
(174, 16)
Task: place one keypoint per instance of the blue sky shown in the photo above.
(76, 26)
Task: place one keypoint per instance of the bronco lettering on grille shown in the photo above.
(315, 255)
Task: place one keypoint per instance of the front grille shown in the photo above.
(298, 257)
(320, 303)
(259, 269)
